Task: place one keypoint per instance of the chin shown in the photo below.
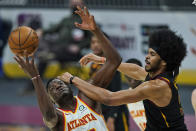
(147, 69)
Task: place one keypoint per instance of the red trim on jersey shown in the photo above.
(89, 106)
(64, 121)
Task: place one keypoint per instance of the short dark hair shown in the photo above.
(135, 61)
(169, 46)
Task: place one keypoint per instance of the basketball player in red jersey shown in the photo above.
(159, 92)
(73, 113)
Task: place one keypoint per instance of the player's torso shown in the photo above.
(83, 119)
(168, 117)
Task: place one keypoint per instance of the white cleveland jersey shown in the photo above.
(83, 118)
(137, 112)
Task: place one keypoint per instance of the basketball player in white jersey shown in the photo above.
(136, 109)
(78, 113)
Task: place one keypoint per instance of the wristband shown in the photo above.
(35, 77)
(70, 80)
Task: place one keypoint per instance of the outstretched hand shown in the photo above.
(27, 65)
(91, 58)
(65, 77)
(88, 22)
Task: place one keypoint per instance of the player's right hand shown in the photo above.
(91, 58)
(27, 65)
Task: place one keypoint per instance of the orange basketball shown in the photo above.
(23, 39)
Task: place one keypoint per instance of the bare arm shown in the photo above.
(129, 69)
(148, 90)
(45, 104)
(105, 74)
(132, 70)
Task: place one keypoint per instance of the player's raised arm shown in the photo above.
(129, 69)
(45, 104)
(105, 74)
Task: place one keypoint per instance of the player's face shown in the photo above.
(59, 90)
(95, 46)
(132, 82)
(153, 61)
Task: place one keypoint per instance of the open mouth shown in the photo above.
(147, 62)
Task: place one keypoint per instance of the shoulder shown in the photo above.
(154, 88)
(159, 83)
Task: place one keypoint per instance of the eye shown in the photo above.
(61, 83)
(152, 53)
(51, 88)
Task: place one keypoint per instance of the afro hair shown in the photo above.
(169, 46)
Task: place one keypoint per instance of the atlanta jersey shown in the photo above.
(137, 112)
(83, 118)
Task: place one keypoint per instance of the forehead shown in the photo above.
(151, 50)
(56, 82)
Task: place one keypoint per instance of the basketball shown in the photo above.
(23, 40)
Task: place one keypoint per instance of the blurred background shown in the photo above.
(128, 24)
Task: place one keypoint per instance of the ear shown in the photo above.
(163, 63)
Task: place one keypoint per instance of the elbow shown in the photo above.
(116, 62)
(107, 100)
(108, 103)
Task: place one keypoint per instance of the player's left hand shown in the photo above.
(88, 21)
(65, 77)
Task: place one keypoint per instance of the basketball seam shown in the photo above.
(26, 38)
(13, 41)
(25, 47)
(19, 38)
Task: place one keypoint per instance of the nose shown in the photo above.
(147, 57)
(57, 88)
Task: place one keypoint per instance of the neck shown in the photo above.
(153, 74)
(68, 104)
